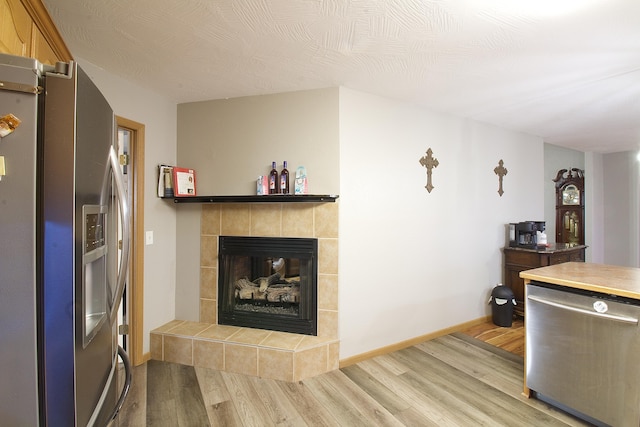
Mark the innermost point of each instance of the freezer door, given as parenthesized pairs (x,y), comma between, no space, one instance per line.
(18,330)
(80,242)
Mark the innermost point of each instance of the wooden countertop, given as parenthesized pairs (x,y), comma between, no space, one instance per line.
(551,248)
(609,279)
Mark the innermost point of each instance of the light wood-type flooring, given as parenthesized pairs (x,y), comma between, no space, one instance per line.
(510,339)
(461,379)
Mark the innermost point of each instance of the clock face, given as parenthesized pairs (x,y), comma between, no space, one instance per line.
(571,195)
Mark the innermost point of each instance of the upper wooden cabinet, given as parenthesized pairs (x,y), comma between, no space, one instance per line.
(26,29)
(15,28)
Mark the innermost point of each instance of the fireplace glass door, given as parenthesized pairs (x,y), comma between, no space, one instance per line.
(268,283)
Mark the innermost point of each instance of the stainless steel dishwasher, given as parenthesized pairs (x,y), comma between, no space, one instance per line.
(583,353)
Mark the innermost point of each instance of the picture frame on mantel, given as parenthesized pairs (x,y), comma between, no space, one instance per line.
(184,182)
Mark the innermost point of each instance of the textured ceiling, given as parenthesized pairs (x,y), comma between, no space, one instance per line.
(570,75)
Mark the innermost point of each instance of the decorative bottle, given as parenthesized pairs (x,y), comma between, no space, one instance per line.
(284,179)
(273,179)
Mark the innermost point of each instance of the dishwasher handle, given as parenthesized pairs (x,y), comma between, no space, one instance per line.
(623,319)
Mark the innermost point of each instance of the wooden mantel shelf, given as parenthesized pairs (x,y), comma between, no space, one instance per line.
(271,198)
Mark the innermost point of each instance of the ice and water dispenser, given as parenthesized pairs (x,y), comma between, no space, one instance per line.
(94,269)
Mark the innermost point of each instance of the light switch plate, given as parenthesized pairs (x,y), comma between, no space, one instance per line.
(149,237)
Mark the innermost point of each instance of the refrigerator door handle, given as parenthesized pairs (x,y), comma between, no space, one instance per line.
(121,193)
(127,384)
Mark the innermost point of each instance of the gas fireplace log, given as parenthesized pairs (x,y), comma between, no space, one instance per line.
(264,282)
(287,294)
(243,283)
(246,289)
(273,292)
(251,293)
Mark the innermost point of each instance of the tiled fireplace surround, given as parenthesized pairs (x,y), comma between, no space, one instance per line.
(257,352)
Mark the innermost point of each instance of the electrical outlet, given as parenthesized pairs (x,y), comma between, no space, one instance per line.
(149,237)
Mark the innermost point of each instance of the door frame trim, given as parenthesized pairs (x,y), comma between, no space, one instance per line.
(136,266)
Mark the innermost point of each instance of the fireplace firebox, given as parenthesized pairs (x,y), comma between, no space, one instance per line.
(268,283)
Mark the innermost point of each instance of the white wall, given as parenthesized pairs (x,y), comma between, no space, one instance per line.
(413,262)
(621,209)
(594,207)
(159,117)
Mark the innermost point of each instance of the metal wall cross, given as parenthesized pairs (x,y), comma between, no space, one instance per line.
(501,171)
(429,162)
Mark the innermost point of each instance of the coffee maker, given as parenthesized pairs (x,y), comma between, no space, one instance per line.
(525,234)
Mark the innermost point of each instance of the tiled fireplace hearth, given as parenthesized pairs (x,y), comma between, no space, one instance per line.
(257,352)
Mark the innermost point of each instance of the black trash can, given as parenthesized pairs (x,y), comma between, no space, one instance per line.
(502,301)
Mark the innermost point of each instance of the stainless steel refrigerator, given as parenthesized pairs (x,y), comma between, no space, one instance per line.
(62,273)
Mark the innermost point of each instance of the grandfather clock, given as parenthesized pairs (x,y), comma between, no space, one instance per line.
(570,206)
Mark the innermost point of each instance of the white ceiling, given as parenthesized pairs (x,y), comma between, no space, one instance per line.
(570,74)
